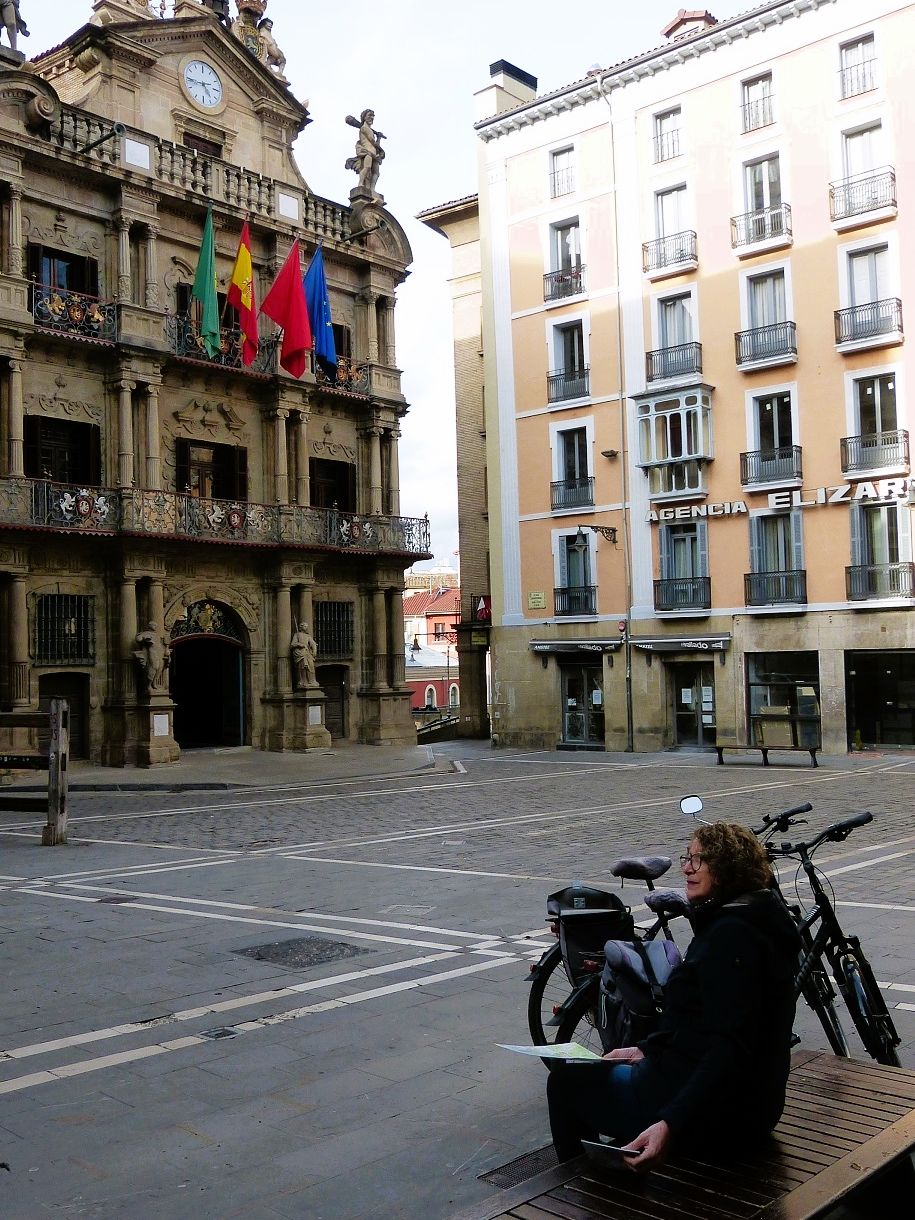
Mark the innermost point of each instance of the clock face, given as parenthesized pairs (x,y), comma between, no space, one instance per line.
(203,83)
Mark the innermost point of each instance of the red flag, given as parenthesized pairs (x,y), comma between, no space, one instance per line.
(241,294)
(285,304)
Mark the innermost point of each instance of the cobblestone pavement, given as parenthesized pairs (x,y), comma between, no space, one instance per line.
(159,1059)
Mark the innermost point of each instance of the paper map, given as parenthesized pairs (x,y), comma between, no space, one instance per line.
(553,1050)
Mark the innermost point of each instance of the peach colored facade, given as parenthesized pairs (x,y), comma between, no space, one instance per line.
(695,271)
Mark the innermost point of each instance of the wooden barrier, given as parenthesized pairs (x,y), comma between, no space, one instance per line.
(54,805)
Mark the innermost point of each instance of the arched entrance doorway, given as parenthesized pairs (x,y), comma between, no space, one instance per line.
(207,677)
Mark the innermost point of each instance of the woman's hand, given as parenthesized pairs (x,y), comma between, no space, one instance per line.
(653,1146)
(625,1054)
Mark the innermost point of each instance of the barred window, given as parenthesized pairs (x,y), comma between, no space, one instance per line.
(333,630)
(65,630)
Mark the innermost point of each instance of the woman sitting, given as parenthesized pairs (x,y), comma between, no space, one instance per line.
(714,1074)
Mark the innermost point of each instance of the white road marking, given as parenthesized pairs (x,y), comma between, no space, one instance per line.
(876,906)
(419,868)
(458,766)
(852,868)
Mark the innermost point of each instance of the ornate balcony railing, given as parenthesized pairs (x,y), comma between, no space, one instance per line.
(877,451)
(859,78)
(667,145)
(684,360)
(572,493)
(573,384)
(863,193)
(763,225)
(775,588)
(758,113)
(350,375)
(575,601)
(771,465)
(763,344)
(183,337)
(671,251)
(864,581)
(683,593)
(73,313)
(36,502)
(568,282)
(869,321)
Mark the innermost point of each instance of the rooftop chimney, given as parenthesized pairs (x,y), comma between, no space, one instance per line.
(687,23)
(509,87)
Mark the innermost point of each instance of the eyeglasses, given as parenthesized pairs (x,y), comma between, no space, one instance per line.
(695,862)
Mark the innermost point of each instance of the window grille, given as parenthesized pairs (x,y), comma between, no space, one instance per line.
(333,630)
(65,630)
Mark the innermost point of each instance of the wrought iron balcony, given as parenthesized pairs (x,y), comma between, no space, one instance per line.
(575,601)
(683,593)
(669,253)
(684,360)
(859,78)
(775,344)
(771,465)
(667,145)
(568,282)
(873,580)
(767,224)
(73,313)
(870,321)
(350,375)
(562,182)
(576,383)
(758,113)
(29,503)
(877,451)
(572,493)
(775,588)
(183,337)
(863,193)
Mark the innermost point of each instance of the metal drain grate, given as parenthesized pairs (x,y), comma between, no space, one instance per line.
(224,1031)
(522,1168)
(115,900)
(302,952)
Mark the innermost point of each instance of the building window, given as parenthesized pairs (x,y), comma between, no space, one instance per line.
(562,180)
(675,320)
(430,698)
(670,210)
(667,135)
(763,184)
(875,405)
(333,630)
(758,109)
(576,595)
(774,429)
(440,632)
(211,472)
(454,697)
(209,148)
(860,150)
(565,276)
(569,379)
(62,270)
(683,563)
(65,626)
(859,66)
(776,458)
(767,215)
(675,441)
(767,304)
(777,573)
(868,276)
(783,692)
(332,484)
(881,552)
(875,534)
(575,487)
(343,339)
(62,451)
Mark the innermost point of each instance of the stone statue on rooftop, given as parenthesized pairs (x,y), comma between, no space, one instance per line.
(369,153)
(271,54)
(12,21)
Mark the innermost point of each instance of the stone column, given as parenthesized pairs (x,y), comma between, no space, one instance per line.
(374,435)
(15,425)
(14,237)
(282,462)
(306,608)
(19,643)
(283,639)
(125,433)
(302,481)
(390,353)
(152,269)
(157,605)
(153,448)
(394,473)
(380,638)
(128,636)
(123,258)
(371,323)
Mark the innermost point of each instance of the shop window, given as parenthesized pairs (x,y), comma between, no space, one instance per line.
(783,699)
(62,451)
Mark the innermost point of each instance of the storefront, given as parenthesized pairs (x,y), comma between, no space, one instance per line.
(880,698)
(581,713)
(689,673)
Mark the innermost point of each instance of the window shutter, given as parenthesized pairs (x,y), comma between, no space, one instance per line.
(856,528)
(182,466)
(34,253)
(350,505)
(797,540)
(756,552)
(95,455)
(664,553)
(241,473)
(702,547)
(563,562)
(904,524)
(32,446)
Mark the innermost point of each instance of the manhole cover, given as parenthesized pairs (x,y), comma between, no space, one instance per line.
(302,952)
(224,1031)
(522,1168)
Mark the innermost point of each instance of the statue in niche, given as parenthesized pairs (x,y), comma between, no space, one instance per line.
(304,654)
(153,655)
(270,53)
(369,153)
(12,21)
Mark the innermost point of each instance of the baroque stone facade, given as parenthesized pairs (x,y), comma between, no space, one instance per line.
(143,481)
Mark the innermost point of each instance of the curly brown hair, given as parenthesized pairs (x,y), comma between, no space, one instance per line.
(736,859)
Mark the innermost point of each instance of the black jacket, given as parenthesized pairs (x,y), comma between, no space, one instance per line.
(723,1048)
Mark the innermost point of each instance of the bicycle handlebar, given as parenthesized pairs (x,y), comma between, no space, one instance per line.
(835,834)
(789,813)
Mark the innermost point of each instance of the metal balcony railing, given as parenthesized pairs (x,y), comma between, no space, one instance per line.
(765,343)
(575,601)
(876,451)
(182,334)
(869,321)
(671,251)
(859,78)
(771,465)
(73,313)
(759,113)
(763,225)
(351,375)
(775,588)
(667,145)
(568,282)
(576,383)
(572,493)
(863,193)
(683,593)
(684,360)
(864,581)
(562,182)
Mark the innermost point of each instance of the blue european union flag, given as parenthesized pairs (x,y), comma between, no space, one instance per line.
(319,313)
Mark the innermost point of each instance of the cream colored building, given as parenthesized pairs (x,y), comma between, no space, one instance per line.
(144,481)
(695,272)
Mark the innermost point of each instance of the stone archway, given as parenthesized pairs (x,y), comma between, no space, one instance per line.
(207,676)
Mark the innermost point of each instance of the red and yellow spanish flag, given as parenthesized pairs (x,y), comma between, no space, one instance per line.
(241,294)
(285,304)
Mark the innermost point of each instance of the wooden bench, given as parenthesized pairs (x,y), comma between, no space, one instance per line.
(54,802)
(846,1124)
(721,746)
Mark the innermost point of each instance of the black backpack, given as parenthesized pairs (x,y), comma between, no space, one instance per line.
(631,997)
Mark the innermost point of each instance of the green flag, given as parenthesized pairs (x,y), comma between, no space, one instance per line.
(205,290)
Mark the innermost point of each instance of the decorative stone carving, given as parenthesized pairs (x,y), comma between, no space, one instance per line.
(304,654)
(368,156)
(205,418)
(330,449)
(271,54)
(58,234)
(12,21)
(153,655)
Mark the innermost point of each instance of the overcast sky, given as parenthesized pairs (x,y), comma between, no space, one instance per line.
(418,65)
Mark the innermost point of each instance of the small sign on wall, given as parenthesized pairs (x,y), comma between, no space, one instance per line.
(160,725)
(536,600)
(314,713)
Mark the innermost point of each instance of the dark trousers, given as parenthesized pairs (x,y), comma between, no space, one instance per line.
(591,1099)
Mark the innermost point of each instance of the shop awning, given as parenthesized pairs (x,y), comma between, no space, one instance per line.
(580,646)
(682,643)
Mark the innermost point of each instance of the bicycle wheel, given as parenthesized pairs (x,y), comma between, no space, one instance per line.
(819,996)
(868,1011)
(548,990)
(580,1022)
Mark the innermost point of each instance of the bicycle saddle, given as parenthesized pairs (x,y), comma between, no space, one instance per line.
(641,868)
(667,902)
